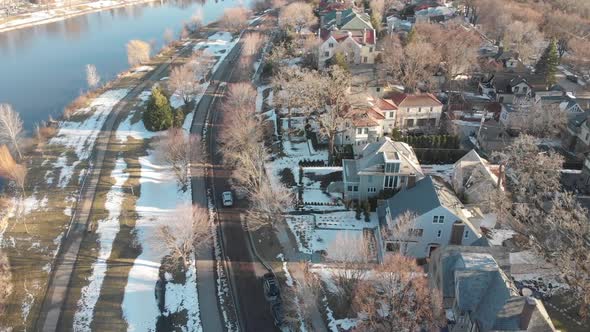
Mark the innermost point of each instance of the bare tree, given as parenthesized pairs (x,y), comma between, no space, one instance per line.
(138,52)
(456,47)
(11,129)
(333,121)
(10,170)
(401,230)
(412,65)
(579,54)
(176,149)
(252,45)
(234,19)
(543,121)
(297,16)
(92,76)
(398,299)
(196,21)
(5,281)
(187,229)
(525,39)
(352,255)
(268,201)
(183,81)
(308,291)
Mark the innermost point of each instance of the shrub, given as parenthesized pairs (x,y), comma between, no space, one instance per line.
(158,115)
(178,118)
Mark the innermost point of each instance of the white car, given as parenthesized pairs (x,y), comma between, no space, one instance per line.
(228,198)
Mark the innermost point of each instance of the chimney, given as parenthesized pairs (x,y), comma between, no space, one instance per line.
(411,181)
(338,18)
(322,21)
(527,312)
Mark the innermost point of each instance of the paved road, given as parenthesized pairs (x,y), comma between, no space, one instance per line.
(244,270)
(57,289)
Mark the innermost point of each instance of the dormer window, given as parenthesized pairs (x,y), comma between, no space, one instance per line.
(330,45)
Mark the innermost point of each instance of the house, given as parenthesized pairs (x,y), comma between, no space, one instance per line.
(356,49)
(565,101)
(396,24)
(434,14)
(439,219)
(416,111)
(517,87)
(369,124)
(474,178)
(508,59)
(385,165)
(577,137)
(478,294)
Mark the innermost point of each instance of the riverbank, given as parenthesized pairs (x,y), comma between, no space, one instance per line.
(56,14)
(110,257)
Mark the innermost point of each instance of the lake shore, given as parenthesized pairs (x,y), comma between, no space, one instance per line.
(60,13)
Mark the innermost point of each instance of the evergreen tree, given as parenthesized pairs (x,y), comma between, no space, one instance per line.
(547,64)
(158,115)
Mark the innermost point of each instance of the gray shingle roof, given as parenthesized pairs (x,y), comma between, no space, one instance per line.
(419,199)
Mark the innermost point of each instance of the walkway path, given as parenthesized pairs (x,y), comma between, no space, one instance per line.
(59,281)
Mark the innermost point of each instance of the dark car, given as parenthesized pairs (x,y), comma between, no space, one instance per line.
(271,287)
(573,78)
(278,316)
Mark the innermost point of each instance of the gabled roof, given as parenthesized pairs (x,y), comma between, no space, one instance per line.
(374,156)
(364,117)
(414,100)
(329,19)
(472,160)
(420,199)
(385,104)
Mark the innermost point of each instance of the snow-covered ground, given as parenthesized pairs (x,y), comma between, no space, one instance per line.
(443,171)
(159,198)
(312,192)
(62,12)
(217,45)
(318,232)
(107,231)
(79,137)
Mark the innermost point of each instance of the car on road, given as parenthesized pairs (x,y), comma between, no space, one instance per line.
(270,284)
(228,198)
(573,78)
(278,315)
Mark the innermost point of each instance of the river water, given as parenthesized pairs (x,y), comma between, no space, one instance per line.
(42,68)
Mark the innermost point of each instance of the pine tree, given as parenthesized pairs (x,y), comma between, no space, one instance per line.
(547,64)
(158,115)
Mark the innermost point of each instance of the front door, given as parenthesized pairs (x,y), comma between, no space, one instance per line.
(457,233)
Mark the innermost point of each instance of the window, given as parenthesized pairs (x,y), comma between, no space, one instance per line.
(419,109)
(439,233)
(438,219)
(416,232)
(355,188)
(524,89)
(391,167)
(391,115)
(349,188)
(359,131)
(330,45)
(435,220)
(516,89)
(466,234)
(366,131)
(370,49)
(388,182)
(365,59)
(378,89)
(326,54)
(372,189)
(431,108)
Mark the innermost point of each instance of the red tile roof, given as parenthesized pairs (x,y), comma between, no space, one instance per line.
(386,104)
(413,100)
(365,117)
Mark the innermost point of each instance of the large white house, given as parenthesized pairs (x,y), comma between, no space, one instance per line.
(416,110)
(383,165)
(439,219)
(369,124)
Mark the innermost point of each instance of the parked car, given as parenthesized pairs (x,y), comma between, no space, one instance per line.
(573,78)
(278,315)
(270,284)
(228,198)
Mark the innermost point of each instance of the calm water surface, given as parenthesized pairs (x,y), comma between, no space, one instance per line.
(42,68)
